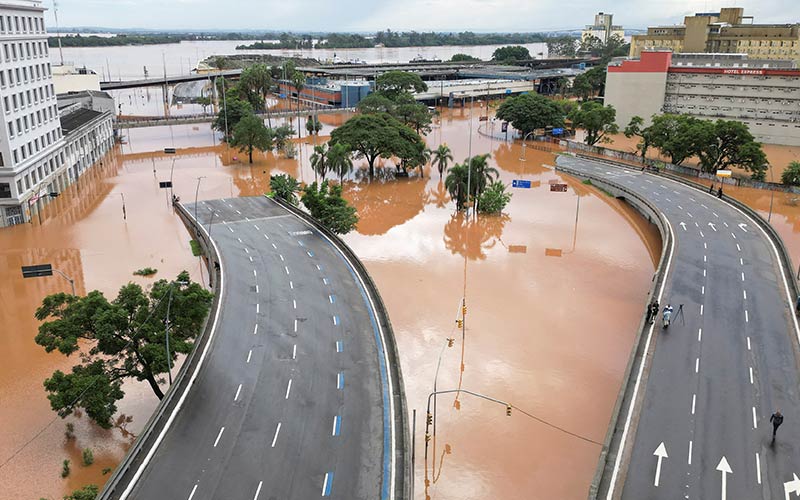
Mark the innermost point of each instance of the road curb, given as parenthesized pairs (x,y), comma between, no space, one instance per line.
(403,470)
(125,471)
(625,397)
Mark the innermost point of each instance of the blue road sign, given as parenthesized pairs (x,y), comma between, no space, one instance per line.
(508,91)
(558,131)
(519,183)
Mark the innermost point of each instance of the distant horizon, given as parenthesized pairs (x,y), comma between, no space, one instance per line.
(349,16)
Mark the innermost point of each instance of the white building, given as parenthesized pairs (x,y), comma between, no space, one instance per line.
(603,28)
(33,161)
(68,78)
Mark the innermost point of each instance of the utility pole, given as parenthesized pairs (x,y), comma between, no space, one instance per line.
(196,193)
(58,32)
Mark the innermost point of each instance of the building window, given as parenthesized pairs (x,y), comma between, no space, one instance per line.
(5,190)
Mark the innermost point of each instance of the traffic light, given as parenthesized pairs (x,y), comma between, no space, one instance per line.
(460,323)
(429,419)
(427,437)
(464,310)
(508,410)
(450,342)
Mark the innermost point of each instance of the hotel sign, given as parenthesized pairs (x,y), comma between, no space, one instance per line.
(738,71)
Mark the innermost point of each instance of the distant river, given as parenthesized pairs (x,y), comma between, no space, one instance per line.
(129,62)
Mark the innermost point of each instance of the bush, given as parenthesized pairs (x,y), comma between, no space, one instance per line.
(88,457)
(494,199)
(329,208)
(284,187)
(791,176)
(88,492)
(107,470)
(70,431)
(147,272)
(196,250)
(65,470)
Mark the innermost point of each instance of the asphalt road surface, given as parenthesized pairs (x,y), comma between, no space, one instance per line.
(725,364)
(289,403)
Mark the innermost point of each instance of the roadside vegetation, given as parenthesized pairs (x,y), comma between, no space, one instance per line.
(117,340)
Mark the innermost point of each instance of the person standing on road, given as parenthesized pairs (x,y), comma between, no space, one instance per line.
(777,420)
(711,188)
(719,192)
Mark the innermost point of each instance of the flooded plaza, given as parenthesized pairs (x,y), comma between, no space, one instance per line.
(554,289)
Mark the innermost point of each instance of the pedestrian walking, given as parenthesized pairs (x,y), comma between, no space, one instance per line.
(711,189)
(654,311)
(719,192)
(776,419)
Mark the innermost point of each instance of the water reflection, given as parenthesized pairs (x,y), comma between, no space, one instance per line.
(383,204)
(473,238)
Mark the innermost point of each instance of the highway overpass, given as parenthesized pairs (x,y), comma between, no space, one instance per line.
(695,419)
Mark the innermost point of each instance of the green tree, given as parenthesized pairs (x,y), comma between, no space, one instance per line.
(299,83)
(376,103)
(442,156)
(564,46)
(728,143)
(494,199)
(257,79)
(251,134)
(204,102)
(340,160)
(482,174)
(88,492)
(376,135)
(636,128)
(529,112)
(313,125)
(463,58)
(120,339)
(415,115)
(590,83)
(456,184)
(791,176)
(597,120)
(325,203)
(393,83)
(674,136)
(230,115)
(319,161)
(284,186)
(88,456)
(511,53)
(282,135)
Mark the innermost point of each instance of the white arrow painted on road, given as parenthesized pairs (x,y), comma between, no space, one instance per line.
(683,225)
(792,486)
(661,453)
(725,469)
(712,226)
(742,227)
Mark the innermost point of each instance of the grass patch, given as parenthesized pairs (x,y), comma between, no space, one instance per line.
(196,250)
(147,272)
(588,182)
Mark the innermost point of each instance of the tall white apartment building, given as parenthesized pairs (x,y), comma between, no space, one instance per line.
(31,141)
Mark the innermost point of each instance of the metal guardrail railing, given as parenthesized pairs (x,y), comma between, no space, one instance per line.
(403,468)
(122,475)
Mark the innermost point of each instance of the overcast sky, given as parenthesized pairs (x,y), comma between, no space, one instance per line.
(372,15)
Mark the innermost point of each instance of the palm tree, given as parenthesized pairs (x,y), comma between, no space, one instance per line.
(442,156)
(340,160)
(299,83)
(456,184)
(482,174)
(319,161)
(424,159)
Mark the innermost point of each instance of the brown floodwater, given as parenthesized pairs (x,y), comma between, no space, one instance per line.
(554,289)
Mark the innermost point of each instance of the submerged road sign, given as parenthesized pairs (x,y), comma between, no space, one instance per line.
(519,183)
(37,271)
(560,188)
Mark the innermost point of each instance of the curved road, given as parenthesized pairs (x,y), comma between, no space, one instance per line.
(729,359)
(291,400)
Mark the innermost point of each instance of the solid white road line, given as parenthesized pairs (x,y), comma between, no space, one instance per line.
(275,437)
(236,397)
(694,401)
(216,441)
(697,365)
(250,353)
(758,468)
(258,490)
(325,484)
(192,493)
(288,389)
(755,422)
(690,452)
(751,375)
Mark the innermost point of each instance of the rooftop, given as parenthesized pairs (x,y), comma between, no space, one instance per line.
(77,119)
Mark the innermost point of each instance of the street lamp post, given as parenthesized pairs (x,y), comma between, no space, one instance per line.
(524,145)
(196,193)
(124,212)
(166,328)
(771,192)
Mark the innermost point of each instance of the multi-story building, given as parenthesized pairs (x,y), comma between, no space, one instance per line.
(727,31)
(764,94)
(34,165)
(603,28)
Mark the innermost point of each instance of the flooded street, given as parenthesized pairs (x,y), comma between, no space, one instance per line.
(554,289)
